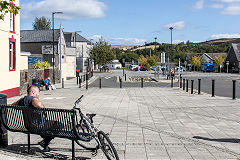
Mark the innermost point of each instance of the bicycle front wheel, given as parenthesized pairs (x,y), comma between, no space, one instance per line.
(107,146)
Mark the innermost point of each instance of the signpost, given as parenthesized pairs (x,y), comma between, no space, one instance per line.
(227,63)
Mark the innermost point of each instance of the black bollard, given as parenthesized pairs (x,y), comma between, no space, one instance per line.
(183,84)
(80,82)
(86,81)
(125,77)
(3,130)
(100,83)
(123,72)
(180,81)
(199,86)
(171,82)
(120,80)
(187,85)
(213,88)
(192,86)
(142,82)
(234,90)
(62,82)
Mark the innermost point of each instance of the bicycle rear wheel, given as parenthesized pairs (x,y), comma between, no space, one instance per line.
(107,146)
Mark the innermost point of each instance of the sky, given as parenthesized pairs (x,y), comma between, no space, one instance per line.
(134,22)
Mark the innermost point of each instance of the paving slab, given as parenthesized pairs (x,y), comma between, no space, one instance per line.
(144,123)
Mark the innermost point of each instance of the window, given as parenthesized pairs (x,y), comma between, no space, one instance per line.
(12,54)
(12,22)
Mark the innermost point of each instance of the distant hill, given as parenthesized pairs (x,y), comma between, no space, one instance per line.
(220,41)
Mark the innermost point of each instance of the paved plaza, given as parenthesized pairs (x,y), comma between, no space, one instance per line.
(144,123)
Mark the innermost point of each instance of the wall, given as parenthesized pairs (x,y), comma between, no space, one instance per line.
(10,80)
(23,61)
(29,74)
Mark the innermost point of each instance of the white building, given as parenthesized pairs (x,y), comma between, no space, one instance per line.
(10,54)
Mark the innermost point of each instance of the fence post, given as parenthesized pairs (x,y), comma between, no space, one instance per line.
(62,82)
(234,90)
(192,86)
(120,79)
(100,83)
(141,82)
(187,86)
(180,81)
(183,84)
(199,86)
(171,82)
(213,88)
(125,77)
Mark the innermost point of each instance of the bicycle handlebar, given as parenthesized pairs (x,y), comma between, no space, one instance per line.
(77,101)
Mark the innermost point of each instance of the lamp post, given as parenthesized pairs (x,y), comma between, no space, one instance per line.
(171,28)
(53,59)
(155,45)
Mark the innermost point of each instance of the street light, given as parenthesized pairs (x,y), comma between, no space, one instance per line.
(171,28)
(53,59)
(155,44)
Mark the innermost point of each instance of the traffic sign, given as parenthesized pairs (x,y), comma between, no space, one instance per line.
(185,62)
(227,62)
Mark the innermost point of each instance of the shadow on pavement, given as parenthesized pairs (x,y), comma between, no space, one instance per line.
(21,149)
(229,140)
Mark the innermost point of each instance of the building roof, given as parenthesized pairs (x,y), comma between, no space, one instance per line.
(70,37)
(236,47)
(39,35)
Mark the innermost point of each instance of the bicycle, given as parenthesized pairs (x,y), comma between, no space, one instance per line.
(86,126)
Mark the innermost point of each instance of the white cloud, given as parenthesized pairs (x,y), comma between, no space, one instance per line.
(96,38)
(177,25)
(226,35)
(127,41)
(226,1)
(199,4)
(217,6)
(119,41)
(233,9)
(70,8)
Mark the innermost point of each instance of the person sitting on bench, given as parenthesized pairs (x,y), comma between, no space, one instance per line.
(32,101)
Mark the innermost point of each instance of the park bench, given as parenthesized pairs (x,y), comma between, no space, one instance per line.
(60,123)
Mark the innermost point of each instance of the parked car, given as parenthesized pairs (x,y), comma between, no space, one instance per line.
(142,68)
(181,69)
(208,67)
(134,67)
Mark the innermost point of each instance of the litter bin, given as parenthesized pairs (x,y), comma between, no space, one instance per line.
(3,130)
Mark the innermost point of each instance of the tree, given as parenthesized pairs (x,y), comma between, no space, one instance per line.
(196,61)
(101,53)
(219,61)
(152,61)
(143,60)
(41,23)
(8,6)
(41,65)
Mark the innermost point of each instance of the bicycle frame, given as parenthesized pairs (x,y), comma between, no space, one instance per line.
(90,127)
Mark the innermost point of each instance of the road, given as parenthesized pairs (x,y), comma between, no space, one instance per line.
(223,82)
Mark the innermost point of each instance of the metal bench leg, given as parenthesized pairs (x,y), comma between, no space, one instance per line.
(28,143)
(73,150)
